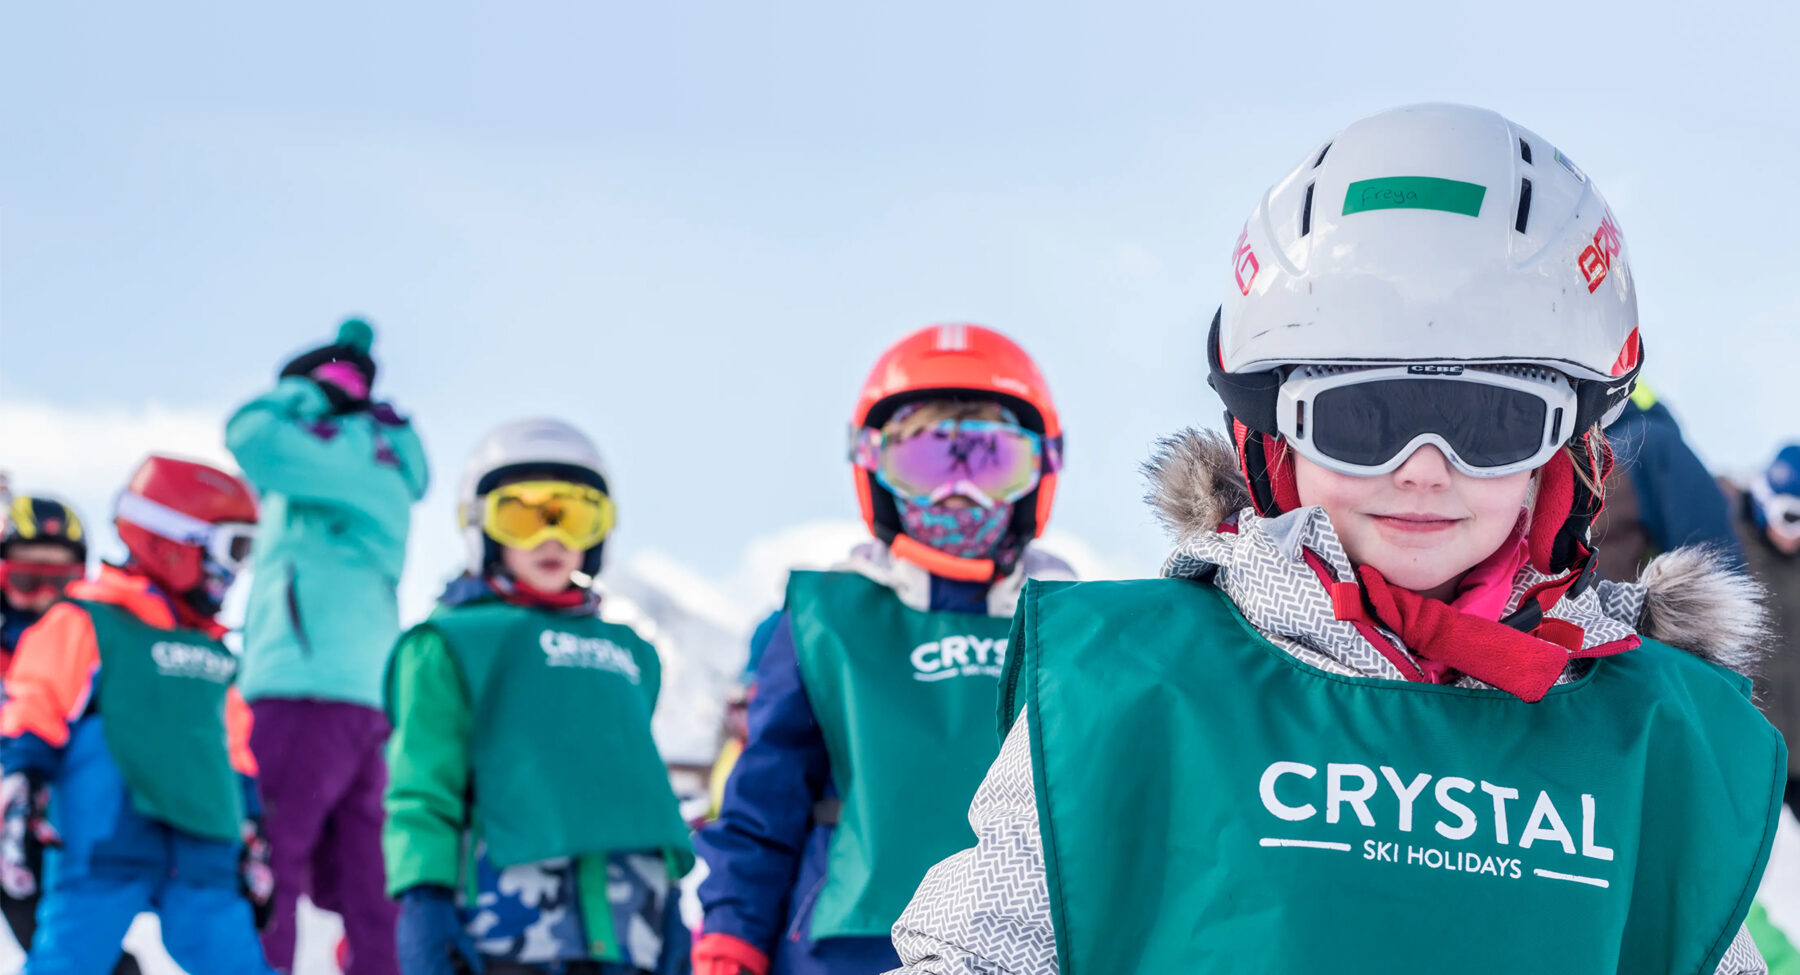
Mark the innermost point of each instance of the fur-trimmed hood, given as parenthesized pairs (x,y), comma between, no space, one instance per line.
(1690,598)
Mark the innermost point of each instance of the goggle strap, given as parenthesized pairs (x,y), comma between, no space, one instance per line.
(865,448)
(161,520)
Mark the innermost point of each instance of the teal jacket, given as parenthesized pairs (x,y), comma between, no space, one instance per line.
(337,496)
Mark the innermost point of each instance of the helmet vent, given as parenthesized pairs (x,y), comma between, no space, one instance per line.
(1525,150)
(1321,159)
(1306,212)
(1524,204)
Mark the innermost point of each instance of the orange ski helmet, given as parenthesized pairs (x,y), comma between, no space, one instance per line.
(954,360)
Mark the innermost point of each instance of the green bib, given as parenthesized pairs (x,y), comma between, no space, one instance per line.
(905,700)
(562,760)
(1210,804)
(162,703)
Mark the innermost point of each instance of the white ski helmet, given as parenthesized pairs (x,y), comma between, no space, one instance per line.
(534,446)
(1435,233)
(1429,235)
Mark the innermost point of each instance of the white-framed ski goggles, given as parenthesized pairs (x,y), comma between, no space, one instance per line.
(227,544)
(1363,421)
(1782,511)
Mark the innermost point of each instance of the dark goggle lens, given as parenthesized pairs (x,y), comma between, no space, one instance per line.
(1369,423)
(31,578)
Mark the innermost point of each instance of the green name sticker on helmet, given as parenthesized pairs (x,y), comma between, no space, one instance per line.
(1414,193)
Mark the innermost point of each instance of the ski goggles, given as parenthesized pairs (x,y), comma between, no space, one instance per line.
(1782,511)
(227,544)
(987,461)
(32,578)
(527,514)
(1365,421)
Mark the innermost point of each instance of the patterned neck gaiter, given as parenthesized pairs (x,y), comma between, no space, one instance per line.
(967,533)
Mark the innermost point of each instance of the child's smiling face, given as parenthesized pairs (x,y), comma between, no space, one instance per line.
(1425,524)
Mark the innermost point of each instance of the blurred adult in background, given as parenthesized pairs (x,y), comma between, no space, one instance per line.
(1767,514)
(43,549)
(339,472)
(1659,496)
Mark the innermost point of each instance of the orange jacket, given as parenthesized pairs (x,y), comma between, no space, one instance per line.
(52,676)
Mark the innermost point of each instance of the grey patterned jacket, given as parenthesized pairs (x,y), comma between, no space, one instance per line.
(986,910)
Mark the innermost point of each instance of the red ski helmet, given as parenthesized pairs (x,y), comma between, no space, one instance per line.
(162,515)
(948,361)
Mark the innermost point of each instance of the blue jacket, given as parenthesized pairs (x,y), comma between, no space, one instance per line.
(765,854)
(337,496)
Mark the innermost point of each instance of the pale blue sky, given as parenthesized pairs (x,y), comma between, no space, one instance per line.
(690,228)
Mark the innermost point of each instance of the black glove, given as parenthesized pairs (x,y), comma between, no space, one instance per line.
(24,796)
(256,876)
(343,370)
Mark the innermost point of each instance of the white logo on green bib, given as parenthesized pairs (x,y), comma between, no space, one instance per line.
(1464,808)
(573,650)
(958,656)
(186,660)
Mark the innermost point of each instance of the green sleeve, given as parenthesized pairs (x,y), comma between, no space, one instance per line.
(428,764)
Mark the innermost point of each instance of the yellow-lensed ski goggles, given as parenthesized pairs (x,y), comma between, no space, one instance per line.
(527,514)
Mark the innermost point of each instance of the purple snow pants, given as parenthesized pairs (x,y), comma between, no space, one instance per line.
(321,772)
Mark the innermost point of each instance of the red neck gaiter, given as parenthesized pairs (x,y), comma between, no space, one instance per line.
(1448,641)
(520,594)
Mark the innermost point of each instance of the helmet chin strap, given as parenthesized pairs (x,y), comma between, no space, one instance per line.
(941,564)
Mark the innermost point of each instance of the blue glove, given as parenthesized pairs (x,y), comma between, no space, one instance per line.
(430,936)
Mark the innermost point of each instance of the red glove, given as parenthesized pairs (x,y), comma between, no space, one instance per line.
(722,954)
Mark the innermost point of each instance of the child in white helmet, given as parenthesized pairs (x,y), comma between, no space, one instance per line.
(1380,716)
(531,825)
